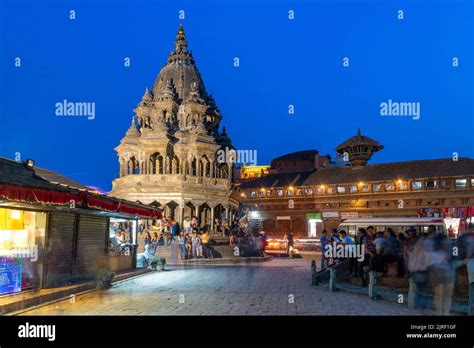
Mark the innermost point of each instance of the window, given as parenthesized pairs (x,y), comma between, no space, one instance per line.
(416,185)
(330,191)
(389,186)
(353,189)
(365,188)
(289,193)
(309,191)
(444,184)
(341,189)
(377,187)
(402,185)
(299,192)
(280,193)
(461,182)
(261,194)
(320,190)
(431,184)
(472,182)
(270,193)
(253,194)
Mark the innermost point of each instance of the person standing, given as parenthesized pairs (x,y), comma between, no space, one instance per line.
(187,225)
(290,243)
(217,226)
(182,245)
(370,247)
(225,228)
(285,243)
(324,241)
(197,244)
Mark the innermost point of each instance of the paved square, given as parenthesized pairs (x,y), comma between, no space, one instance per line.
(265,288)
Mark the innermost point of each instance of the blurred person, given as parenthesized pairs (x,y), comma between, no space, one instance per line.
(346,240)
(335,236)
(369,247)
(361,240)
(442,275)
(408,245)
(324,241)
(290,243)
(263,238)
(379,250)
(390,251)
(451,233)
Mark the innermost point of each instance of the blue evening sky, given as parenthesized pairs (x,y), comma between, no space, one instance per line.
(282,62)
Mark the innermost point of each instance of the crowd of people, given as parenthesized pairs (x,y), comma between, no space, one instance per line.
(194,239)
(428,259)
(246,242)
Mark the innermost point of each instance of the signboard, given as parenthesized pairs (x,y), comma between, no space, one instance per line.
(330,214)
(313,216)
(350,215)
(283,217)
(10,275)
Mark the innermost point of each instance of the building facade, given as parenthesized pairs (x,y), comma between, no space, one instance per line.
(306,200)
(169,155)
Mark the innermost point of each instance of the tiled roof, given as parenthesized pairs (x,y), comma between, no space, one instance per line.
(299,155)
(373,172)
(54,177)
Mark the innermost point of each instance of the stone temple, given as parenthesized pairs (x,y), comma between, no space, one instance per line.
(169,155)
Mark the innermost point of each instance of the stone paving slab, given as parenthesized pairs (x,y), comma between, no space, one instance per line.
(277,287)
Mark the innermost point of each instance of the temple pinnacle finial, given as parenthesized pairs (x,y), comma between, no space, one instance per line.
(181,43)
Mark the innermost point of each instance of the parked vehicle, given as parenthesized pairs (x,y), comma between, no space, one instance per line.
(401,224)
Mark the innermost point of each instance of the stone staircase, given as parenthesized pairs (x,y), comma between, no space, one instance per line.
(220,249)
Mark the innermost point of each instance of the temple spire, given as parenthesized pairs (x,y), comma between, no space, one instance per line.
(181,45)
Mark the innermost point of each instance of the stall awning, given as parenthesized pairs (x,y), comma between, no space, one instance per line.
(28,194)
(83,199)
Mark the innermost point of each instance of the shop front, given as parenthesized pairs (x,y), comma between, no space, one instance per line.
(54,235)
(456,219)
(22,239)
(315,224)
(123,244)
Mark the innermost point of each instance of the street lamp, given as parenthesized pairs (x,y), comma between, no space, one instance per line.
(30,163)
